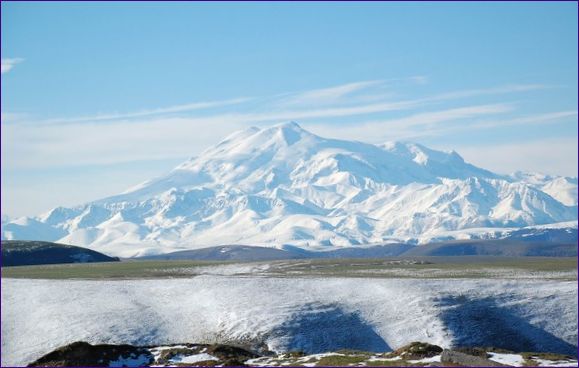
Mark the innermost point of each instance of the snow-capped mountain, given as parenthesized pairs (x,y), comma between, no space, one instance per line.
(285,185)
(562,188)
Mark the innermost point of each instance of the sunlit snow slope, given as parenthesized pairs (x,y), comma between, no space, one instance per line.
(288,314)
(285,185)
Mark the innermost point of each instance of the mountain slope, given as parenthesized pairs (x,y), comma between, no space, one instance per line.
(285,185)
(562,188)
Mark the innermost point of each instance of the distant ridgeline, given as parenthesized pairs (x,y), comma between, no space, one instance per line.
(20,253)
(500,248)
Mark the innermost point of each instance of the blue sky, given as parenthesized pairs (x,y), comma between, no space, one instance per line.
(97,97)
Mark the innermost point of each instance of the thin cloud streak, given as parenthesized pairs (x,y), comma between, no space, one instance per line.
(146,113)
(88,141)
(376,131)
(439,130)
(327,95)
(362,108)
(8,64)
(354,92)
(513,88)
(52,146)
(533,119)
(258,117)
(169,110)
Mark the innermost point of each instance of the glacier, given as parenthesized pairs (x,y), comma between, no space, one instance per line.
(283,185)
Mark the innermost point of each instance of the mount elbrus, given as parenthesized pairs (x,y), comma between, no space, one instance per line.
(283,185)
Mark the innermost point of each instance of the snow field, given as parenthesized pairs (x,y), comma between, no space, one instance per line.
(314,315)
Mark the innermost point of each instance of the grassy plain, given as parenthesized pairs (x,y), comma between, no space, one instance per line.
(418,267)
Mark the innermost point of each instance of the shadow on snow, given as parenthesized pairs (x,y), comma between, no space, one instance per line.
(483,323)
(316,329)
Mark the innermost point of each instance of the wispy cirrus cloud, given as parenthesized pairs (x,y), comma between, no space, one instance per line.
(438,123)
(179,131)
(8,64)
(150,112)
(511,88)
(328,95)
(366,91)
(419,79)
(335,101)
(531,119)
(349,93)
(84,144)
(235,117)
(436,130)
(434,117)
(412,125)
(318,103)
(293,106)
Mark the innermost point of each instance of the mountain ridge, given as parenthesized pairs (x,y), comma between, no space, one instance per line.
(283,185)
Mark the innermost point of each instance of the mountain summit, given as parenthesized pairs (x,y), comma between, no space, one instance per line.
(283,185)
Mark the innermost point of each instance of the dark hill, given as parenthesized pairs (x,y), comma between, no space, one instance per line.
(499,248)
(229,253)
(502,248)
(23,252)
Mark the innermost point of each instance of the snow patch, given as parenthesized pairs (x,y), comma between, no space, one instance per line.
(516,360)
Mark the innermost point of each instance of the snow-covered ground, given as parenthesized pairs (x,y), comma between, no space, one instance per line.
(310,314)
(281,268)
(364,359)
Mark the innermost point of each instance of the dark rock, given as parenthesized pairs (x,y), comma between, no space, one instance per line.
(418,350)
(167,354)
(83,354)
(479,352)
(466,360)
(230,355)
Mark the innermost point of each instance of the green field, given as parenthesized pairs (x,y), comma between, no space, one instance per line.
(418,267)
(434,267)
(105,270)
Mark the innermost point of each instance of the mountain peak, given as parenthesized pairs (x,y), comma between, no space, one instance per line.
(288,131)
(422,154)
(290,125)
(286,134)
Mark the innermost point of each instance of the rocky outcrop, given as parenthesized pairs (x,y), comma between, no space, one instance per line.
(416,354)
(466,360)
(83,354)
(418,350)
